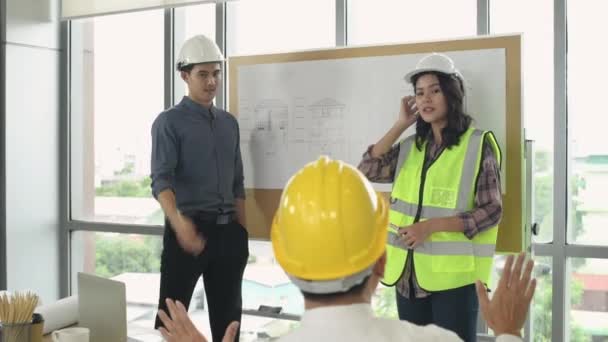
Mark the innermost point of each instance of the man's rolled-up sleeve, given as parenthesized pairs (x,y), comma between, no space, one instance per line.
(239,184)
(165,149)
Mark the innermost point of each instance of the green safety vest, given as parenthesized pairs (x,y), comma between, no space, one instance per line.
(446,260)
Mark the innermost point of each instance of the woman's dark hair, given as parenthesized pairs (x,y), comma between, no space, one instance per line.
(187,68)
(458,121)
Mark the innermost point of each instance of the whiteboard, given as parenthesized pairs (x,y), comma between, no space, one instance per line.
(293,107)
(292,112)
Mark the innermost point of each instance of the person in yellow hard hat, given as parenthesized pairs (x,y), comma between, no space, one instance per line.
(197,177)
(445,202)
(329,234)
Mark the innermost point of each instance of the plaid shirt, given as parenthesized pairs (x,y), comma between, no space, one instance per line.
(488,198)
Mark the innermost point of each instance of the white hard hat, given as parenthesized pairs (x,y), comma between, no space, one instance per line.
(198,49)
(437,62)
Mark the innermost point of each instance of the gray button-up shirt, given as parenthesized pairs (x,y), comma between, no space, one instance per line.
(196,153)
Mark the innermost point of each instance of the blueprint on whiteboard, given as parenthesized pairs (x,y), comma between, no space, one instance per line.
(290,113)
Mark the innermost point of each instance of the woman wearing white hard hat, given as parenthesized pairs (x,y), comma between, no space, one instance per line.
(197,177)
(445,202)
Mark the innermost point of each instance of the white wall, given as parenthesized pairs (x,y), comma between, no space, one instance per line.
(31,89)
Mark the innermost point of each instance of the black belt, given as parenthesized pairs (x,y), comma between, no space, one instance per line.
(217,217)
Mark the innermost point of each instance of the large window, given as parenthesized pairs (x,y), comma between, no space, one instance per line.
(117,90)
(390,21)
(536,26)
(586,113)
(266,26)
(588,151)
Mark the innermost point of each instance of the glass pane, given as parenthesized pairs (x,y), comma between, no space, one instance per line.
(191,21)
(540,310)
(536,24)
(135,260)
(542,303)
(384,302)
(90,8)
(589,300)
(116,92)
(265,26)
(129,258)
(265,282)
(589,151)
(198,19)
(385,21)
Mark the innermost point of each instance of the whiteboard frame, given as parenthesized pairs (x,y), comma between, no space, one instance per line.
(262,203)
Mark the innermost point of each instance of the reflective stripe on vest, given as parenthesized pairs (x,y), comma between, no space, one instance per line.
(447,259)
(445,247)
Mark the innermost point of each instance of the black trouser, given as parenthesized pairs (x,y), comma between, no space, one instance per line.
(222,264)
(455,310)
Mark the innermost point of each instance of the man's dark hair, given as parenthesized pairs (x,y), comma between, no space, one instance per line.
(187,68)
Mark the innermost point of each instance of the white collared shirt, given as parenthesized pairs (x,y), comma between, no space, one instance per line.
(357,322)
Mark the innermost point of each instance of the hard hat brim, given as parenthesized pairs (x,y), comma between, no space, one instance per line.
(408,77)
(179,65)
(333,285)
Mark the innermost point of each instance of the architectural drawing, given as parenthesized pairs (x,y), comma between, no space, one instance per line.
(270,121)
(327,132)
(246,120)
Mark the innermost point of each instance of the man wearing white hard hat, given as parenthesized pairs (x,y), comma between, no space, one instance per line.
(197,177)
(445,202)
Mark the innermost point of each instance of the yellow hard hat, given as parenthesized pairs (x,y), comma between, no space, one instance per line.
(330,224)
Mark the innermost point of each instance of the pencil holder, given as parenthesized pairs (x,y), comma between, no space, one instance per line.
(15,332)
